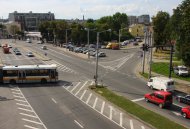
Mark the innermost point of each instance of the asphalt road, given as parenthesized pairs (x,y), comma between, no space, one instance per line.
(116,71)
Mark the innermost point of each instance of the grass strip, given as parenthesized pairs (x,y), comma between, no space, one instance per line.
(144,114)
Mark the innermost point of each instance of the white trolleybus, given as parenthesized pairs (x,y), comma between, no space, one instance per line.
(28,74)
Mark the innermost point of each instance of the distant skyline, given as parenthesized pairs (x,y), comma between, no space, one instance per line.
(95,9)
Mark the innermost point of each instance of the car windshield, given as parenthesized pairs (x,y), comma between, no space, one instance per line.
(169,97)
(184,69)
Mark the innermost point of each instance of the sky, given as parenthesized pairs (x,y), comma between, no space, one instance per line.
(95,9)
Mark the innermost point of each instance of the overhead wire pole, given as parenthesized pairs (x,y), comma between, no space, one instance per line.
(144,52)
(150,63)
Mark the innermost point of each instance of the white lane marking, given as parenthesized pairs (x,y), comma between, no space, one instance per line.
(25,109)
(53,100)
(121,119)
(131,124)
(82,95)
(75,86)
(92,83)
(21,100)
(89,97)
(177,113)
(177,105)
(111,109)
(80,88)
(24,114)
(102,108)
(23,105)
(142,127)
(18,93)
(18,96)
(32,121)
(30,127)
(135,100)
(95,102)
(15,90)
(78,124)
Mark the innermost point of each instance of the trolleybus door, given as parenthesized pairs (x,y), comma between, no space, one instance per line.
(52,75)
(21,77)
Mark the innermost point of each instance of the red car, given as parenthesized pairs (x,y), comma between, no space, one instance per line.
(185,112)
(162,98)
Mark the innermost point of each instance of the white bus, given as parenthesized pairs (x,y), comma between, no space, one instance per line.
(29,74)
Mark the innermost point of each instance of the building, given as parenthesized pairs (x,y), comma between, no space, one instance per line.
(132,20)
(30,21)
(137,30)
(144,19)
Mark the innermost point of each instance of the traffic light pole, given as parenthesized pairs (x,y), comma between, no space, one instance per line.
(144,53)
(150,62)
(171,57)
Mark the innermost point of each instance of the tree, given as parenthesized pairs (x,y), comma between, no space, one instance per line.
(161,24)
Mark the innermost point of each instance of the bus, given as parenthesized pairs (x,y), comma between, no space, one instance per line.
(28,74)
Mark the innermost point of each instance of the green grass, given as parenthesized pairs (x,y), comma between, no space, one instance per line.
(148,116)
(145,75)
(163,68)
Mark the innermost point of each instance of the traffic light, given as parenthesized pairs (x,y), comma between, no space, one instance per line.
(145,47)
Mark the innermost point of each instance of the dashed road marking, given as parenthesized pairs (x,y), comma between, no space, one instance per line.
(75,86)
(30,127)
(121,119)
(53,100)
(21,100)
(111,111)
(142,127)
(32,121)
(78,124)
(24,114)
(89,97)
(95,102)
(102,108)
(18,93)
(82,95)
(177,113)
(16,96)
(135,100)
(131,124)
(23,105)
(25,109)
(80,88)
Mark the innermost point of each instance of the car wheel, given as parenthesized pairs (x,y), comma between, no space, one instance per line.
(161,105)
(146,100)
(184,115)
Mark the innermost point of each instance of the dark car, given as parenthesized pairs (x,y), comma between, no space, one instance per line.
(184,99)
(17,53)
(185,112)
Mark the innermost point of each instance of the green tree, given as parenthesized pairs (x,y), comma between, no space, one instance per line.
(161,24)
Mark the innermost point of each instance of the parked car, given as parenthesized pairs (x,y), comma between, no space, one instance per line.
(28,40)
(30,54)
(181,70)
(185,112)
(9,46)
(101,54)
(17,52)
(161,83)
(39,42)
(78,49)
(162,98)
(44,47)
(15,49)
(184,99)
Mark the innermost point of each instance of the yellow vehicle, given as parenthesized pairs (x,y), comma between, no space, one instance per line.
(112,45)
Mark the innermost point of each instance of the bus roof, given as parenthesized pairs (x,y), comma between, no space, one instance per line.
(29,67)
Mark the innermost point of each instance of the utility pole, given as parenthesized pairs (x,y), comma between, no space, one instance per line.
(144,52)
(171,57)
(97,45)
(150,63)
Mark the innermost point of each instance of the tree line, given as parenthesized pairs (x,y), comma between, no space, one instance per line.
(176,27)
(77,32)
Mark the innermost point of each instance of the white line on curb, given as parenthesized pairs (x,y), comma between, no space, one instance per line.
(78,124)
(131,124)
(102,109)
(95,102)
(89,98)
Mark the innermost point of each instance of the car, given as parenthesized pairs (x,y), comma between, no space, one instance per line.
(44,47)
(28,40)
(181,70)
(15,49)
(40,42)
(101,54)
(30,54)
(9,46)
(162,98)
(185,112)
(184,99)
(18,53)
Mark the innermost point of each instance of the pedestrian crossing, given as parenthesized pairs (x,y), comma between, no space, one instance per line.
(116,64)
(60,67)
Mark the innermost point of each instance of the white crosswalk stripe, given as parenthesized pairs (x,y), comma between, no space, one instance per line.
(60,66)
(115,64)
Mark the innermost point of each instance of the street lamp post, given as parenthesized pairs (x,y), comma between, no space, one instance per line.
(120,35)
(88,38)
(97,49)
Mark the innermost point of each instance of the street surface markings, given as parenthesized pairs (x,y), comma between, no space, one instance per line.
(32,120)
(60,66)
(136,100)
(78,124)
(115,64)
(176,113)
(102,107)
(53,100)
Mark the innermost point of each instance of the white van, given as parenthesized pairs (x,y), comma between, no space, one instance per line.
(161,83)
